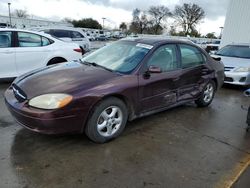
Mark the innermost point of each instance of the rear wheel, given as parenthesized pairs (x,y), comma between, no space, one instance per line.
(107,121)
(207,95)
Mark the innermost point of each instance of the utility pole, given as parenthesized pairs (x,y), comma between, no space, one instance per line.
(221,29)
(103,23)
(9,13)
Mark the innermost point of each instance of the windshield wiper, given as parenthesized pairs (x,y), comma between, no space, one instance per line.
(85,62)
(219,54)
(95,65)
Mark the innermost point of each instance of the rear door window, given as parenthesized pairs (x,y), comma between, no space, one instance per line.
(46,41)
(191,56)
(32,40)
(5,39)
(29,40)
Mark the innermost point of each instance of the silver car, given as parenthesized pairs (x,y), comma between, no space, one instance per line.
(236,59)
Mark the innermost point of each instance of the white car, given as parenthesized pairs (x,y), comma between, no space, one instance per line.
(75,35)
(236,59)
(22,51)
(90,37)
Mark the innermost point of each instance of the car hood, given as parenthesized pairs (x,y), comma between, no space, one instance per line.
(62,78)
(234,62)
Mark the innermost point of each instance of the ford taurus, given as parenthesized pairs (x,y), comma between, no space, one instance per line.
(122,81)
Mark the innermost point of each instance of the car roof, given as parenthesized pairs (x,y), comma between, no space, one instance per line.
(239,44)
(30,31)
(58,28)
(157,40)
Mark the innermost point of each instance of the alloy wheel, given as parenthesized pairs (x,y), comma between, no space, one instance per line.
(208,93)
(109,121)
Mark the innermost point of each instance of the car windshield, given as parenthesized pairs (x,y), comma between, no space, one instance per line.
(121,56)
(235,51)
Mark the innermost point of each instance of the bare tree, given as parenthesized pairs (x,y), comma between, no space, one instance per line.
(188,16)
(140,21)
(21,13)
(158,14)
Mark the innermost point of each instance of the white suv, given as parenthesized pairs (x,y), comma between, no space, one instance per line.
(75,34)
(22,51)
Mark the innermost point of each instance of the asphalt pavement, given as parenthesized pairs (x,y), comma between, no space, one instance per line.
(181,147)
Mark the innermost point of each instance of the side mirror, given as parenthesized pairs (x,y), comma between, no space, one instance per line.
(154,69)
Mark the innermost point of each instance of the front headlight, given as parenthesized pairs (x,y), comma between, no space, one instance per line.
(51,101)
(242,69)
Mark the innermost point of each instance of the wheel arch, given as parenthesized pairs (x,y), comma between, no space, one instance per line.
(126,101)
(55,59)
(123,98)
(216,83)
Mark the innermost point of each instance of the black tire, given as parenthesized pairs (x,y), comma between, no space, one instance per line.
(202,102)
(56,60)
(91,129)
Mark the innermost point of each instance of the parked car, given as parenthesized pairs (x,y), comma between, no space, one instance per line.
(122,81)
(101,37)
(213,46)
(236,58)
(3,25)
(75,35)
(90,37)
(22,51)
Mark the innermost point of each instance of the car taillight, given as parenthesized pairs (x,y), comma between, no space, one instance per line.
(78,50)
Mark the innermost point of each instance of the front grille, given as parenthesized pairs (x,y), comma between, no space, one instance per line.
(19,93)
(228,68)
(228,79)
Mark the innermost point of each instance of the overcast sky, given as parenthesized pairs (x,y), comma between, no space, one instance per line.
(116,11)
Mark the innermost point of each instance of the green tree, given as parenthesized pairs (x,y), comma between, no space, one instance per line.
(123,26)
(87,23)
(211,35)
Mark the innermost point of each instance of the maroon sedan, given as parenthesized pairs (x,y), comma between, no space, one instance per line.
(122,81)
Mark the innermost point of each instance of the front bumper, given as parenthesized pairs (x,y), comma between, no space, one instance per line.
(44,121)
(237,78)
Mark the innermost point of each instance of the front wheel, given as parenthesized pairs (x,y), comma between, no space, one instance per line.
(107,121)
(207,95)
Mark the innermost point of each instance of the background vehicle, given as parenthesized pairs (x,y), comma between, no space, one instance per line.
(3,25)
(22,51)
(90,37)
(135,78)
(75,34)
(101,37)
(236,58)
(213,47)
